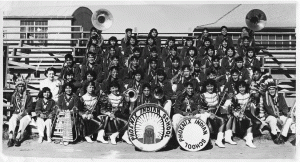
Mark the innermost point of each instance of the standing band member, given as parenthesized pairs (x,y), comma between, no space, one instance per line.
(22,106)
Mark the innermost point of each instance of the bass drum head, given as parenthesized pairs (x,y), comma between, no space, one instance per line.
(149,127)
(192,133)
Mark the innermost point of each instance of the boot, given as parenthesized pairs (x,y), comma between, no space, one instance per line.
(88,139)
(228,135)
(113,138)
(49,140)
(249,138)
(218,142)
(10,143)
(18,143)
(100,137)
(126,139)
(40,139)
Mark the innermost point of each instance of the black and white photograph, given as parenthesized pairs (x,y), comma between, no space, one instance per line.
(151,80)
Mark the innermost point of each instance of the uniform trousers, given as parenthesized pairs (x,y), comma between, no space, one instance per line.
(23,123)
(42,124)
(272,121)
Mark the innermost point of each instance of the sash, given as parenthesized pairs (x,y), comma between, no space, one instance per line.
(270,102)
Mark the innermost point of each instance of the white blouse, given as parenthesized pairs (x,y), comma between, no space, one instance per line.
(54,87)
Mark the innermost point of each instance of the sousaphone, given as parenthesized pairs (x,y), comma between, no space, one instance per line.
(256,19)
(102,19)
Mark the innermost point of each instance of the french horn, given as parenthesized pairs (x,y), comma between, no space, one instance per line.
(132,93)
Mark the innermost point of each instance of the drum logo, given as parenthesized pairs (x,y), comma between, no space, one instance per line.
(149,127)
(192,134)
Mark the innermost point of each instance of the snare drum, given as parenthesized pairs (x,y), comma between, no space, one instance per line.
(149,127)
(192,133)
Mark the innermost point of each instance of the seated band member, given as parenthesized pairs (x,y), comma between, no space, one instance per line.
(96,33)
(168,60)
(198,73)
(90,76)
(204,36)
(232,82)
(146,95)
(151,71)
(243,49)
(154,55)
(210,102)
(202,49)
(174,69)
(243,72)
(251,61)
(228,61)
(133,66)
(222,48)
(22,108)
(45,112)
(113,75)
(242,111)
(68,100)
(277,113)
(187,77)
(91,65)
(191,56)
(126,40)
(188,43)
(166,50)
(261,79)
(92,48)
(166,87)
(114,62)
(128,51)
(187,104)
(89,109)
(207,59)
(113,42)
(223,35)
(246,32)
(115,113)
(154,34)
(51,82)
(219,70)
(150,43)
(137,81)
(69,78)
(70,65)
(109,57)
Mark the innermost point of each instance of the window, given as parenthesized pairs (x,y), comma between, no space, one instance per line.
(34,26)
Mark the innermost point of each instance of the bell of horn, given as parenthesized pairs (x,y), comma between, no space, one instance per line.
(158,93)
(256,19)
(132,93)
(102,19)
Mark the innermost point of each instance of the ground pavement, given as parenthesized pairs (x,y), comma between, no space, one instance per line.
(266,149)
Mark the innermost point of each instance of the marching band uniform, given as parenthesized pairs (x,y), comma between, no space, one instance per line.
(22,107)
(147,50)
(47,109)
(126,40)
(89,105)
(75,68)
(244,74)
(228,63)
(277,109)
(172,72)
(219,39)
(142,99)
(251,62)
(94,67)
(191,79)
(117,106)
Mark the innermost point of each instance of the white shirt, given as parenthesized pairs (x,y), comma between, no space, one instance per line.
(54,87)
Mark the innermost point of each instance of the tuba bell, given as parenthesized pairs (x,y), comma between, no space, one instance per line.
(158,93)
(256,19)
(132,93)
(102,19)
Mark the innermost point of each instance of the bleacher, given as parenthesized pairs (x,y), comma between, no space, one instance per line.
(33,56)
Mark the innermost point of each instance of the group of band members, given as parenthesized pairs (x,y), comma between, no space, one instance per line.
(212,80)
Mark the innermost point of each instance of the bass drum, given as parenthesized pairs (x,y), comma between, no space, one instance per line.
(149,127)
(192,133)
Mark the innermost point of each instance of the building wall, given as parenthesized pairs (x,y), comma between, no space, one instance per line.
(11,23)
(59,23)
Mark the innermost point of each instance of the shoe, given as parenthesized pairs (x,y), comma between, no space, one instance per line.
(100,138)
(18,143)
(126,139)
(49,140)
(66,143)
(40,140)
(113,138)
(249,138)
(218,142)
(88,139)
(10,143)
(228,135)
